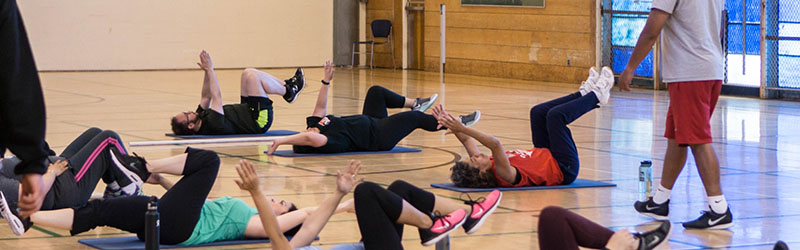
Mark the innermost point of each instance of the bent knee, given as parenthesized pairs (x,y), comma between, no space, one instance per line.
(365,189)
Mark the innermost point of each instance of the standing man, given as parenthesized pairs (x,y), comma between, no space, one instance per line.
(693,67)
(22,118)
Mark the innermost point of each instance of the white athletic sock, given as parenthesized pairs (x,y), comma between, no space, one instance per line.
(661,195)
(718,204)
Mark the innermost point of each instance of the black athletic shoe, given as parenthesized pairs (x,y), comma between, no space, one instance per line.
(780,245)
(134,168)
(470,119)
(656,237)
(294,86)
(652,210)
(711,220)
(442,226)
(423,104)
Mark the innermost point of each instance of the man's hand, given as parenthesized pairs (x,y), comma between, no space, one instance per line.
(625,79)
(205,61)
(328,68)
(58,167)
(32,195)
(274,147)
(248,179)
(347,180)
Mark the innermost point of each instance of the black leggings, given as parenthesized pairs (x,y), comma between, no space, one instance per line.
(378,209)
(89,161)
(560,229)
(179,208)
(392,129)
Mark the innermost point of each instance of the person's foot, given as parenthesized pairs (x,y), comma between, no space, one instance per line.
(711,220)
(602,87)
(133,168)
(113,190)
(481,209)
(780,245)
(470,119)
(586,86)
(294,86)
(442,226)
(423,104)
(13,221)
(654,238)
(653,210)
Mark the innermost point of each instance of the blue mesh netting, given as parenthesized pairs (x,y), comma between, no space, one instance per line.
(624,30)
(752,42)
(786,15)
(620,59)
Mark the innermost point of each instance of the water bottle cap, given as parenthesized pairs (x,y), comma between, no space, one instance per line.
(646,162)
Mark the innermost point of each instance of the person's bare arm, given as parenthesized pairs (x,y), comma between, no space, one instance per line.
(314,223)
(157,178)
(211,96)
(248,180)
(303,139)
(648,37)
(502,165)
(321,107)
(469,143)
(54,170)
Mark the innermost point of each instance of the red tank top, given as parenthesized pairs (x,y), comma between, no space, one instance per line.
(536,167)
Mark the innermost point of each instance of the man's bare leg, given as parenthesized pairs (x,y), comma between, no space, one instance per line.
(258,83)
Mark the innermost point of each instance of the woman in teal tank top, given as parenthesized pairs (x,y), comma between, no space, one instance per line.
(187,218)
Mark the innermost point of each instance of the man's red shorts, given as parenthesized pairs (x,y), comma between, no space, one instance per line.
(691,105)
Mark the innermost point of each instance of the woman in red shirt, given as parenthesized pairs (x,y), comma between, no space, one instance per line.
(554,158)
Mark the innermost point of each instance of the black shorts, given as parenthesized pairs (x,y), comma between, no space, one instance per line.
(260,108)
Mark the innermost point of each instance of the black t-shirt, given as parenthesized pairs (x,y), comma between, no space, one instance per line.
(345,134)
(238,119)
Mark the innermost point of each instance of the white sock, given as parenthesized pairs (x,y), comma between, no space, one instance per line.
(661,195)
(718,204)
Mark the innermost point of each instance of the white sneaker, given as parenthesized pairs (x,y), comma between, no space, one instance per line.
(604,84)
(586,86)
(13,221)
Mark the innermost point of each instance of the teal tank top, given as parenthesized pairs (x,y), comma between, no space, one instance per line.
(222,219)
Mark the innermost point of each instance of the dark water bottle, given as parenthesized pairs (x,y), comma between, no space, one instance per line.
(151,223)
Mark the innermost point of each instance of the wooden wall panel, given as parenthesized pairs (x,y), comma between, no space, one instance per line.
(391,10)
(555,43)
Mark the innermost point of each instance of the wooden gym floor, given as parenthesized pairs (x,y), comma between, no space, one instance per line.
(756,141)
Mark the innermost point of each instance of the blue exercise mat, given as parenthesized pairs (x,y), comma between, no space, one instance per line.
(131,243)
(268,133)
(396,149)
(579,183)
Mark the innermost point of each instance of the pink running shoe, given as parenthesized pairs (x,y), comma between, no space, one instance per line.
(481,208)
(442,226)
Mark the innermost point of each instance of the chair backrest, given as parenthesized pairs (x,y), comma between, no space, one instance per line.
(381,28)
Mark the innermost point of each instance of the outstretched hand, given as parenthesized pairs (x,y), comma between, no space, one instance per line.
(205,61)
(347,180)
(274,147)
(248,179)
(447,120)
(328,68)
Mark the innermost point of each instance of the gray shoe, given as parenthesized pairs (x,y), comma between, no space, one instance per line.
(470,119)
(423,104)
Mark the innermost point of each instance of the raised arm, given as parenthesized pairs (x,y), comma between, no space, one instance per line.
(469,143)
(314,223)
(502,165)
(249,181)
(321,108)
(211,96)
(648,37)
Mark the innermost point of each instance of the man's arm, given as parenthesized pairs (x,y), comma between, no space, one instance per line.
(211,96)
(321,108)
(648,37)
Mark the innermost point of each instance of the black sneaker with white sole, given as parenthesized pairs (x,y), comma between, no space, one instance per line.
(13,221)
(423,104)
(654,238)
(651,209)
(711,220)
(133,168)
(470,119)
(294,86)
